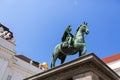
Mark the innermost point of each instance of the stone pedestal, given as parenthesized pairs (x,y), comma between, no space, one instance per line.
(88,67)
(86,76)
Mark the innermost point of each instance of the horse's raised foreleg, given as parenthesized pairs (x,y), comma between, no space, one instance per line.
(80,53)
(84,50)
(63,59)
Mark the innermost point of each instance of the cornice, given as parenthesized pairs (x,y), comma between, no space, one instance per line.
(8,41)
(5,50)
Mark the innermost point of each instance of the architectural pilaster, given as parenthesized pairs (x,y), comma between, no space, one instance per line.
(3,67)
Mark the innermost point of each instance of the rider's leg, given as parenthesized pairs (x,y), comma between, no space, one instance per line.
(69,42)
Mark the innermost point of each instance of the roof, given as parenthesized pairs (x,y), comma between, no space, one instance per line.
(111,58)
(26,59)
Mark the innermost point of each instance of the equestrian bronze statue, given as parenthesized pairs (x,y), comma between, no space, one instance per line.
(70,44)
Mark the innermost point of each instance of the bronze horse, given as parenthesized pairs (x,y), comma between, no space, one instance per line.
(70,44)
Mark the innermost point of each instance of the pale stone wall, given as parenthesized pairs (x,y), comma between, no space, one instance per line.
(27,66)
(18,73)
(3,67)
(115,65)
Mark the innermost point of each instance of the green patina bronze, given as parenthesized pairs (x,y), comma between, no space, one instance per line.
(70,44)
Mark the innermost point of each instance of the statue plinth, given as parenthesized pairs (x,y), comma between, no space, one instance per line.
(88,67)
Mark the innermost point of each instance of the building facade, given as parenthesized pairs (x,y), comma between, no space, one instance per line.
(113,62)
(12,66)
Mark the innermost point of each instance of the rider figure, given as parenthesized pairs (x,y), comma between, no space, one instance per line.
(67,37)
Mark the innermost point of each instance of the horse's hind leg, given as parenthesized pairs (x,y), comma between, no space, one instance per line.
(54,58)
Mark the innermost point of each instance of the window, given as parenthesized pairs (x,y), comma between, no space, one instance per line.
(9,77)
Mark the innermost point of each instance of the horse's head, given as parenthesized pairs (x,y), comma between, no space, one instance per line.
(83,28)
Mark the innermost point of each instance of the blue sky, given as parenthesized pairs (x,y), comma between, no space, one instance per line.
(38,25)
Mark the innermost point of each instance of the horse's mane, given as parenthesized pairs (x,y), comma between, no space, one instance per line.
(78,28)
(85,23)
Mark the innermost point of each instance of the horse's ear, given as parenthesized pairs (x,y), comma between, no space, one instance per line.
(84,22)
(69,25)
